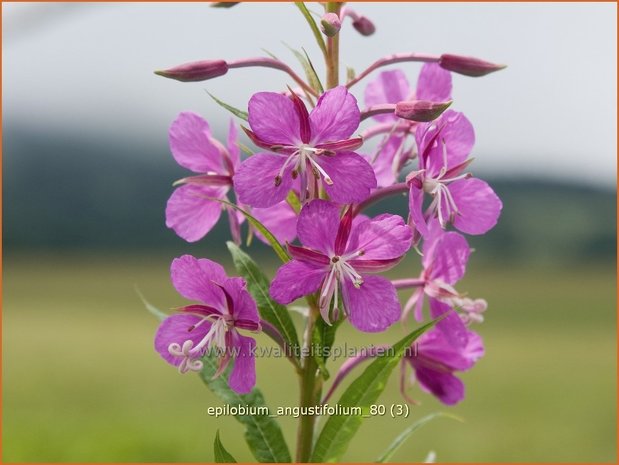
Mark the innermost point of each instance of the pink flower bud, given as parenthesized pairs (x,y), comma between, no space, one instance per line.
(364,26)
(330,24)
(468,66)
(421,111)
(196,71)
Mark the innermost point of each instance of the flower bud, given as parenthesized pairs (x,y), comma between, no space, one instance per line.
(330,24)
(468,66)
(364,26)
(421,111)
(196,71)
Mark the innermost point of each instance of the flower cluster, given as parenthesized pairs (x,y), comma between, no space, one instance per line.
(308,186)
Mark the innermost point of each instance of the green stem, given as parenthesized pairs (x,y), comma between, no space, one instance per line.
(333,51)
(310,386)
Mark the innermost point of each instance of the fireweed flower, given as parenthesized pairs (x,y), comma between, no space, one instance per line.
(433,84)
(315,148)
(434,361)
(468,203)
(191,210)
(445,256)
(335,258)
(225,307)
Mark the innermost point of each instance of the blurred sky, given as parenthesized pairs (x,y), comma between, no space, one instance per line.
(87,69)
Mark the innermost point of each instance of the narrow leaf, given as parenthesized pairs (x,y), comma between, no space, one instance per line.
(310,71)
(362,392)
(224,4)
(220,452)
(262,432)
(159,314)
(271,311)
(404,435)
(293,201)
(235,111)
(350,74)
(322,340)
(313,26)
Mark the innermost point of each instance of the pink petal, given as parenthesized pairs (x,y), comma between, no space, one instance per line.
(233,145)
(478,206)
(449,258)
(189,212)
(353,178)
(194,279)
(274,119)
(447,387)
(388,87)
(335,117)
(254,182)
(191,144)
(458,135)
(384,237)
(415,205)
(433,84)
(244,305)
(280,219)
(318,224)
(175,329)
(296,279)
(452,326)
(243,375)
(372,307)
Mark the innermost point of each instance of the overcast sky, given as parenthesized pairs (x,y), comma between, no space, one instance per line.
(80,68)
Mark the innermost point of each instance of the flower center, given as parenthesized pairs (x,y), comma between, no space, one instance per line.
(215,338)
(339,271)
(304,159)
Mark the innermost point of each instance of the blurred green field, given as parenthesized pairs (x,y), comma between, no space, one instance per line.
(81,382)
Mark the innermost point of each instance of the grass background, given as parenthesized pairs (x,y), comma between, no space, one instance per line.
(81,381)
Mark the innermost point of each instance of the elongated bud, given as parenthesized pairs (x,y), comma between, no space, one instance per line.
(330,24)
(421,111)
(196,71)
(364,26)
(469,66)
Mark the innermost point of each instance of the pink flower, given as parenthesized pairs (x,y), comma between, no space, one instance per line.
(313,147)
(434,361)
(336,256)
(457,198)
(225,307)
(191,211)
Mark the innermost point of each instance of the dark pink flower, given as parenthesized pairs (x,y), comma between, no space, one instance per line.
(468,203)
(313,147)
(224,307)
(335,258)
(434,361)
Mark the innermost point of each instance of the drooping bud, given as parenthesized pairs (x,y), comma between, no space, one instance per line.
(421,111)
(364,26)
(196,71)
(469,66)
(330,24)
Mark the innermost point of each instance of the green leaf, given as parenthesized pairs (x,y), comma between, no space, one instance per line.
(271,311)
(293,201)
(268,235)
(322,340)
(312,24)
(310,71)
(362,392)
(350,74)
(404,435)
(224,4)
(159,314)
(221,454)
(235,111)
(262,432)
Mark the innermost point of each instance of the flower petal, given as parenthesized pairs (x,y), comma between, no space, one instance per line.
(189,212)
(243,375)
(233,145)
(244,305)
(318,224)
(449,257)
(372,307)
(452,326)
(296,279)
(415,206)
(254,182)
(388,87)
(448,388)
(191,144)
(280,219)
(478,206)
(194,279)
(175,329)
(434,83)
(273,118)
(335,117)
(353,177)
(383,237)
